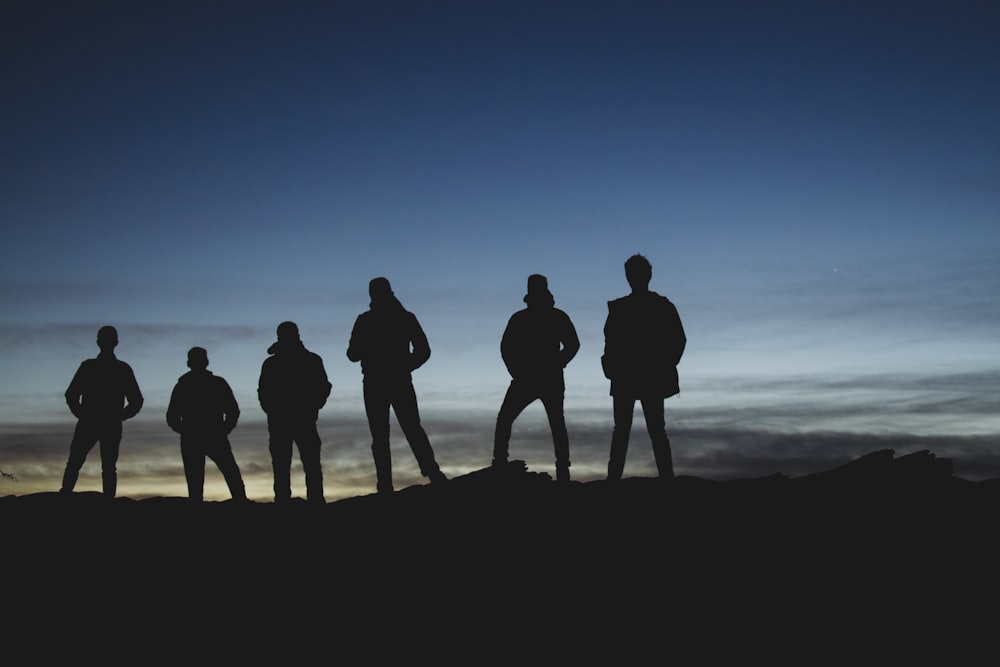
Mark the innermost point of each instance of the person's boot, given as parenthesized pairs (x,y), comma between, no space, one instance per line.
(562,472)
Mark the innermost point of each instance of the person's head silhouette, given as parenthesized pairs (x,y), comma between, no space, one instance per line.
(381,293)
(197,359)
(107,338)
(379,288)
(288,332)
(638,272)
(538,291)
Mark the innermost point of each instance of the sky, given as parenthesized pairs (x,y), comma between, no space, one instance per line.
(816,184)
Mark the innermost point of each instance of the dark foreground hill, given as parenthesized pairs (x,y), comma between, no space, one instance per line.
(893,554)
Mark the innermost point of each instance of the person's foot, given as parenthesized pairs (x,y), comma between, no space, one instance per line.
(437,477)
(562,473)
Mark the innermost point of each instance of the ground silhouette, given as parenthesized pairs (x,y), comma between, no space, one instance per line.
(893,556)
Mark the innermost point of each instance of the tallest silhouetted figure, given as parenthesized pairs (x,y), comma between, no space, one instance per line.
(643,343)
(390,344)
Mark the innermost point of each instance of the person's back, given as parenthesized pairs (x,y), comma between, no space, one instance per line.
(202,403)
(102,386)
(532,343)
(293,381)
(387,339)
(644,341)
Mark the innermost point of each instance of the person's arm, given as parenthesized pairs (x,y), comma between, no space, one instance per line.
(231,407)
(679,342)
(570,341)
(508,351)
(420,348)
(132,395)
(356,345)
(608,360)
(323,386)
(174,418)
(74,393)
(264,388)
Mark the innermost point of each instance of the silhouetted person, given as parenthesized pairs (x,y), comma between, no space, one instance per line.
(204,412)
(643,343)
(538,343)
(102,395)
(390,343)
(293,387)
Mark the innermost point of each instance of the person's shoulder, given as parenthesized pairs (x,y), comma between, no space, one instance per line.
(561,314)
(619,303)
(122,364)
(659,298)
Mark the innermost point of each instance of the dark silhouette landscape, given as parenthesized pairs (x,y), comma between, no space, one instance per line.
(889,553)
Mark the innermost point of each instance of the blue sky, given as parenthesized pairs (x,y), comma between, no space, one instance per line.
(817,186)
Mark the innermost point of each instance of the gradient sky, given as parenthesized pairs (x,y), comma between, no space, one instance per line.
(817,186)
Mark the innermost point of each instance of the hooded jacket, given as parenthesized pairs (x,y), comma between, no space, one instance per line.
(539,340)
(388,341)
(293,382)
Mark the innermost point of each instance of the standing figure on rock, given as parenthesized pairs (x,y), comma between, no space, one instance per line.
(204,411)
(537,344)
(293,387)
(643,343)
(103,394)
(390,344)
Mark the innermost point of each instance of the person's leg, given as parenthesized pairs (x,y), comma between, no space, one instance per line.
(309,443)
(652,410)
(514,402)
(84,438)
(553,401)
(222,454)
(404,404)
(377,410)
(111,438)
(280,446)
(193,458)
(623,408)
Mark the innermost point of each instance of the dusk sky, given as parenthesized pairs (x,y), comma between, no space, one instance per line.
(816,184)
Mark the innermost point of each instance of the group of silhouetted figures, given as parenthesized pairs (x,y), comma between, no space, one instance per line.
(643,343)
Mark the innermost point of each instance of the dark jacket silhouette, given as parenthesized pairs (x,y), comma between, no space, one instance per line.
(293,387)
(644,341)
(204,411)
(102,394)
(390,344)
(537,344)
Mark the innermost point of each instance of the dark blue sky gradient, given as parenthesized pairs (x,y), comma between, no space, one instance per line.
(816,184)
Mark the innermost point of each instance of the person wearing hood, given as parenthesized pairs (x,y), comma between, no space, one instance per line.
(643,343)
(293,387)
(390,344)
(204,411)
(537,344)
(102,394)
